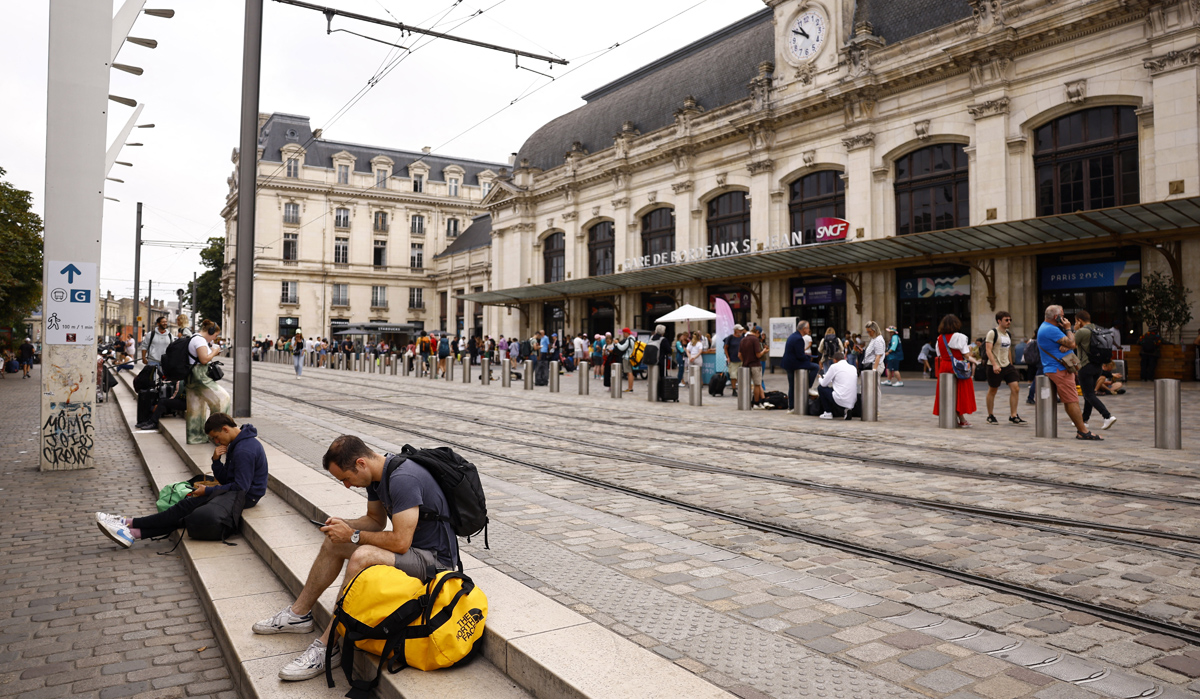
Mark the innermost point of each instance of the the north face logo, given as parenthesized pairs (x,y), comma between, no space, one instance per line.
(467,624)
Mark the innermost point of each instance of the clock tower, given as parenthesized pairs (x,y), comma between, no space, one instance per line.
(809,36)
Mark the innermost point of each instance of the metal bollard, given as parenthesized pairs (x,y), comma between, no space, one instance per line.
(1168,415)
(528,374)
(614,381)
(746,395)
(695,386)
(652,383)
(1046,410)
(405,368)
(396,365)
(554,366)
(505,372)
(584,378)
(466,362)
(432,368)
(485,375)
(371,364)
(947,401)
(800,402)
(450,368)
(870,395)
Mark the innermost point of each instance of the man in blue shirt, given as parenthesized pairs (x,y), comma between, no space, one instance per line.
(1056,339)
(795,357)
(541,375)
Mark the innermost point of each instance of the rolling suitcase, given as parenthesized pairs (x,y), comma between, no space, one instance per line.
(147,402)
(716,385)
(668,389)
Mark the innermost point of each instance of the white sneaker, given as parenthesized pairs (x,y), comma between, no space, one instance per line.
(898,383)
(285,622)
(310,663)
(114,528)
(1108,422)
(826,416)
(885,382)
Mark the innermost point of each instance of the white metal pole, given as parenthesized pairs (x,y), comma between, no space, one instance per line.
(76,135)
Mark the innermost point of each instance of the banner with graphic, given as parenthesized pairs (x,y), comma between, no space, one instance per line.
(933,287)
(724,330)
(1088,276)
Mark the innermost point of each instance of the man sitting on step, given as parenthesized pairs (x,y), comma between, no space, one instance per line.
(419,546)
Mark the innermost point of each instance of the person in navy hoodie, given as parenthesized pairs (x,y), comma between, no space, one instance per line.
(796,356)
(244,468)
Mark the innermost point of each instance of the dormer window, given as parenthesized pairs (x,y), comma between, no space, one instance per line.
(452,186)
(487,187)
(343,174)
(381,177)
(418,183)
(293,167)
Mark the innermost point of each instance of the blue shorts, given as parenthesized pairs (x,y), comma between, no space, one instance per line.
(892,364)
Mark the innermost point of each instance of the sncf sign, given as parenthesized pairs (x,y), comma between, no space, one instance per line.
(829,228)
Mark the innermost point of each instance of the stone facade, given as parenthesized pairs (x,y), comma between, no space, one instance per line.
(337,230)
(862,101)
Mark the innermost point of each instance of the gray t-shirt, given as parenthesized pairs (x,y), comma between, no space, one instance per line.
(411,485)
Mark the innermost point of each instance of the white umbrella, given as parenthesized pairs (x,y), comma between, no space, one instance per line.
(687,313)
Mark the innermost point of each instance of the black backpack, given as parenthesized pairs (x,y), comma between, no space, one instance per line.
(651,353)
(174,363)
(146,379)
(1032,355)
(1104,342)
(459,481)
(218,518)
(716,385)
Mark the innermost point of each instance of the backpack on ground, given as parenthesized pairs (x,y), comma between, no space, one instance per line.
(459,481)
(172,494)
(174,363)
(217,519)
(716,385)
(146,379)
(1104,342)
(406,623)
(777,400)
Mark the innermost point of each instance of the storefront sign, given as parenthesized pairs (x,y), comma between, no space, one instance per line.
(1099,274)
(828,230)
(932,287)
(737,300)
(817,294)
(778,331)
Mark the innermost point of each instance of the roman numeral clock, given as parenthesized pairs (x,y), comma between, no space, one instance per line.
(806,35)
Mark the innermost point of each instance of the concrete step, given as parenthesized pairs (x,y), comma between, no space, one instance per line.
(547,649)
(239,587)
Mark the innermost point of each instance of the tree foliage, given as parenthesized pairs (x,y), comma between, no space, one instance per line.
(208,285)
(1162,302)
(20,255)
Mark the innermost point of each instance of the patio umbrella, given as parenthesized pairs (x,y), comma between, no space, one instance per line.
(687,313)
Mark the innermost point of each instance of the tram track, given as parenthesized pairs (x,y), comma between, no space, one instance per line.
(776,451)
(1106,612)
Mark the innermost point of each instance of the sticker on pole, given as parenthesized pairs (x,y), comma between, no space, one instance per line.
(70,313)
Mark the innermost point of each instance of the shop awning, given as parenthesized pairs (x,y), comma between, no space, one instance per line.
(1114,226)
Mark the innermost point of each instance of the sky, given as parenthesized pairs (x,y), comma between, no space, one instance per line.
(436,96)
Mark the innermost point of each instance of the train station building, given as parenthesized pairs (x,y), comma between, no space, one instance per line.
(845,162)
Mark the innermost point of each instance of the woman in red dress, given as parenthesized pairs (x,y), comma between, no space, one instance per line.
(951,343)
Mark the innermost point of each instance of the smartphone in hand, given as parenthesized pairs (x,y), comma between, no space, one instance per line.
(319,524)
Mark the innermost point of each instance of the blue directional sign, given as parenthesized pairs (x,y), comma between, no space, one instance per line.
(70,271)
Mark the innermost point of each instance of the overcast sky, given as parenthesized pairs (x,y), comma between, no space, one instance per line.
(191,89)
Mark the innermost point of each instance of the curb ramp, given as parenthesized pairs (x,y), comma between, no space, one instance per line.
(533,646)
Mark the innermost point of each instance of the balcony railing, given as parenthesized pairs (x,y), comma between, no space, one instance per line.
(379,305)
(290,300)
(381,229)
(419,306)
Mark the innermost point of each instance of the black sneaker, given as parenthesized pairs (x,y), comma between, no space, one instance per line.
(735,393)
(991,420)
(1016,420)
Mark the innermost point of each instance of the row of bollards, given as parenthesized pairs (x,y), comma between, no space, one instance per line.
(1168,415)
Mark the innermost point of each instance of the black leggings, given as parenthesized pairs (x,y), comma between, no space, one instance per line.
(170,519)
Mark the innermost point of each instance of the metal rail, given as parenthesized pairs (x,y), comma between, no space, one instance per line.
(1109,613)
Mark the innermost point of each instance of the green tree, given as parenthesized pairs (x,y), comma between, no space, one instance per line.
(21,258)
(1162,302)
(208,285)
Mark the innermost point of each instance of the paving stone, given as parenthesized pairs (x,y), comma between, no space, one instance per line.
(807,632)
(1049,625)
(909,640)
(926,660)
(1161,642)
(714,593)
(1183,664)
(1126,653)
(761,611)
(1002,687)
(943,680)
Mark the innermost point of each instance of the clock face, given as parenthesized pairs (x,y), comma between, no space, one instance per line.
(806,35)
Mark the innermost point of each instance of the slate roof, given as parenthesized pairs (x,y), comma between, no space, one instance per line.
(716,70)
(281,129)
(477,235)
(897,20)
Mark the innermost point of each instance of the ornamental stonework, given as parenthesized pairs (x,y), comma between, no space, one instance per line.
(989,108)
(1173,60)
(859,141)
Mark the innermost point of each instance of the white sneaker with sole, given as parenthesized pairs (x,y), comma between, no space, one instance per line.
(898,383)
(826,416)
(1108,422)
(114,528)
(885,382)
(310,663)
(285,622)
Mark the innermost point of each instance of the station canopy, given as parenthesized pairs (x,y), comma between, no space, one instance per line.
(1123,225)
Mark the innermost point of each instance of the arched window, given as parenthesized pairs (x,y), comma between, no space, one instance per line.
(931,189)
(658,235)
(600,249)
(729,222)
(1087,160)
(553,252)
(819,195)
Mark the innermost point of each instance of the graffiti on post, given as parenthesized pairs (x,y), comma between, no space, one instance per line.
(68,435)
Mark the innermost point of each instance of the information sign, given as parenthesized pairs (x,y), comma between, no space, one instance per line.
(70,315)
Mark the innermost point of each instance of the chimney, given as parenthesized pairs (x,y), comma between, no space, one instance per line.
(426,150)
(317,133)
(512,159)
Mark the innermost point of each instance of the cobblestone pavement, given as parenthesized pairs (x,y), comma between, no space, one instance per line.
(78,615)
(535,531)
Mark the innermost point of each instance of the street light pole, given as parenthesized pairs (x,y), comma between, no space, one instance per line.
(193,303)
(137,271)
(243,318)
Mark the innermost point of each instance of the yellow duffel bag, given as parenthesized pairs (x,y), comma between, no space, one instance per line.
(388,613)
